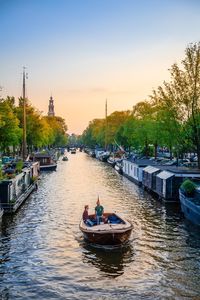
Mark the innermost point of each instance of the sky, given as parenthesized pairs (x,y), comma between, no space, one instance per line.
(83,52)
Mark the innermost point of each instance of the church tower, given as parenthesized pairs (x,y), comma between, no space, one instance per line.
(51,107)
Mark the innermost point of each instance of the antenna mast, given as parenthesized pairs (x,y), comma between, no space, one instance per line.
(106,113)
(24,146)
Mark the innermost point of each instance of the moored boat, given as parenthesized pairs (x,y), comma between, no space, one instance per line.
(45,160)
(119,167)
(104,156)
(65,158)
(1,214)
(16,188)
(73,150)
(111,160)
(114,231)
(190,205)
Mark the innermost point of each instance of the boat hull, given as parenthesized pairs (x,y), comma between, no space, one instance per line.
(12,208)
(111,232)
(65,159)
(51,167)
(189,208)
(107,238)
(1,214)
(119,169)
(111,162)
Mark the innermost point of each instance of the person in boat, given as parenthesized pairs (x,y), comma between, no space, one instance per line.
(86,218)
(85,214)
(99,210)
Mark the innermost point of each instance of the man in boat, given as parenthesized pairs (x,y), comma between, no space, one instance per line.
(99,212)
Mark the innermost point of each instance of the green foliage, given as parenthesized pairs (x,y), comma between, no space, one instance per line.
(19,166)
(1,175)
(34,179)
(41,131)
(104,132)
(57,131)
(188,187)
(9,125)
(171,117)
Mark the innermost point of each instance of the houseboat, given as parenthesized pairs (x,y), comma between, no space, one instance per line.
(163,180)
(169,180)
(45,160)
(149,177)
(133,168)
(190,205)
(15,190)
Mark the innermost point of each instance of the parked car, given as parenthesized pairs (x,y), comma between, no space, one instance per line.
(172,162)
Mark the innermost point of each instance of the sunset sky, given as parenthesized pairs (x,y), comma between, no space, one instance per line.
(87,51)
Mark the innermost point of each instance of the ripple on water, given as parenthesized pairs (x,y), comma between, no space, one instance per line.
(43,254)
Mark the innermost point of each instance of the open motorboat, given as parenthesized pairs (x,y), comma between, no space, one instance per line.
(115,230)
(73,150)
(65,158)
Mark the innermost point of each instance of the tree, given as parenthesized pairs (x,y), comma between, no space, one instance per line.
(185,87)
(113,124)
(10,132)
(58,136)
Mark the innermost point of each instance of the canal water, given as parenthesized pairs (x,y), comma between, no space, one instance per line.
(43,254)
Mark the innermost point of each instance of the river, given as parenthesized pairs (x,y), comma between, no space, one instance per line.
(43,254)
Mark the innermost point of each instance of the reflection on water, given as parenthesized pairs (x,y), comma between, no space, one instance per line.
(110,260)
(43,255)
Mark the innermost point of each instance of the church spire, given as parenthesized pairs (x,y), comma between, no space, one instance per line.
(51,107)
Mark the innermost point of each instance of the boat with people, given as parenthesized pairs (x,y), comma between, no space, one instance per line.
(114,230)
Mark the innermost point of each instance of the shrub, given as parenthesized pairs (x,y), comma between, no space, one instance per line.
(188,187)
(1,175)
(33,179)
(19,166)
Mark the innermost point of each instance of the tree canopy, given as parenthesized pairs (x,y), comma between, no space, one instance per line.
(42,131)
(170,117)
